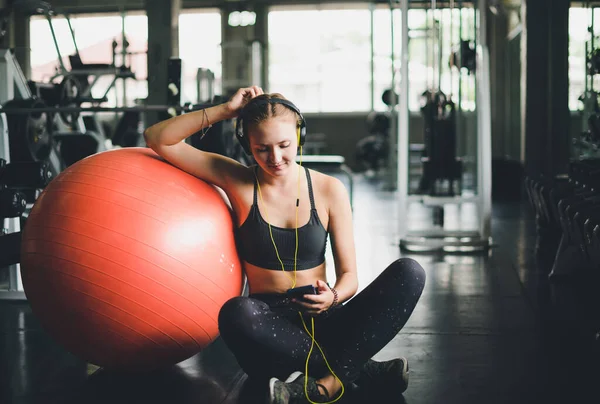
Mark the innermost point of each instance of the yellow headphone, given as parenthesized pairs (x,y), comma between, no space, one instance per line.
(311,334)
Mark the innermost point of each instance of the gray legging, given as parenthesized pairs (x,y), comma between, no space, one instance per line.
(266,335)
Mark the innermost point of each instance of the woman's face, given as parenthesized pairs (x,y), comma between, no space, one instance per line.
(274,144)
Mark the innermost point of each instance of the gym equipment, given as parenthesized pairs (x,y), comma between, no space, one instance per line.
(4,17)
(378,122)
(568,231)
(76,144)
(85,74)
(246,59)
(37,135)
(173,85)
(10,251)
(14,87)
(128,131)
(589,142)
(25,175)
(63,94)
(464,56)
(14,81)
(205,85)
(139,108)
(70,89)
(30,135)
(389,97)
(471,231)
(372,151)
(440,163)
(584,146)
(12,203)
(127,260)
(593,62)
(10,231)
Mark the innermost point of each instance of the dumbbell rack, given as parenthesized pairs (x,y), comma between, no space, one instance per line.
(567,248)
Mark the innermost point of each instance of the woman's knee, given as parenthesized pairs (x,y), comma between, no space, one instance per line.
(237,314)
(415,269)
(407,271)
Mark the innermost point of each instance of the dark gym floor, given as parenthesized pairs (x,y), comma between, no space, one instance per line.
(484,332)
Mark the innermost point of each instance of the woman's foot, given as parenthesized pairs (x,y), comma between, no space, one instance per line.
(385,377)
(292,390)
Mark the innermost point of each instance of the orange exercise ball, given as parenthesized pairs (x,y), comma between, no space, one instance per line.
(127,260)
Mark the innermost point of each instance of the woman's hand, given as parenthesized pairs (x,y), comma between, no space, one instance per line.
(317,304)
(241,98)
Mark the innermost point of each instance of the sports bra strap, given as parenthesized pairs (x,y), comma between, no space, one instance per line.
(310,190)
(255,203)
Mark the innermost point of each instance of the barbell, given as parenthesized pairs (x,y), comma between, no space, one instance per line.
(30,123)
(10,110)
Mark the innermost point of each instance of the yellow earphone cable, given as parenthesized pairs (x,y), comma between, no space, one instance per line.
(311,334)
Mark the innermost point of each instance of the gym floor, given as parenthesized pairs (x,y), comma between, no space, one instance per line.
(484,331)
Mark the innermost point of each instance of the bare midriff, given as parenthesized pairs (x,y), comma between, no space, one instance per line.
(261,280)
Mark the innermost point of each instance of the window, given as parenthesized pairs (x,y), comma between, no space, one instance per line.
(433,37)
(94,35)
(579,21)
(321,58)
(199,46)
(382,53)
(327,68)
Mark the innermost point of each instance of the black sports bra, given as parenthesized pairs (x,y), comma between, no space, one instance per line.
(256,247)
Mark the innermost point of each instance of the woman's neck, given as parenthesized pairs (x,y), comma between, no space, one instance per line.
(281,182)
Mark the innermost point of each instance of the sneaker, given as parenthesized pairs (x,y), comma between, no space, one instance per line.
(292,390)
(389,376)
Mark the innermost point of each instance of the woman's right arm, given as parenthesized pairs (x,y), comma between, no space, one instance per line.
(166,138)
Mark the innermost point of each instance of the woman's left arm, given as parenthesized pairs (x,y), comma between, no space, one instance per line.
(342,243)
(341,230)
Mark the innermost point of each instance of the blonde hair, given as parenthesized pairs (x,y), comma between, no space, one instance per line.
(257,110)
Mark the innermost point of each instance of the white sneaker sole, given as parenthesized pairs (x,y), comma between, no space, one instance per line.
(405,373)
(271,387)
(291,378)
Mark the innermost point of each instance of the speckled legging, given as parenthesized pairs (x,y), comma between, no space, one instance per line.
(268,339)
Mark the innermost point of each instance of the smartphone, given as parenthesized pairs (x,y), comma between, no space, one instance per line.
(301,291)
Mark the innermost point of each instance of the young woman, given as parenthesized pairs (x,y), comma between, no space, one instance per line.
(285,213)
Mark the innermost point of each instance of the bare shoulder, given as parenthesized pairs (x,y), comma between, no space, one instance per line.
(331,189)
(244,180)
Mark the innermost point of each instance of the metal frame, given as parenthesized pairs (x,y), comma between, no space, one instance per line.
(15,86)
(10,225)
(436,239)
(11,75)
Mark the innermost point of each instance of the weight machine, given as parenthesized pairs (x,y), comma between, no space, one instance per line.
(76,80)
(587,144)
(245,59)
(205,85)
(15,86)
(470,206)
